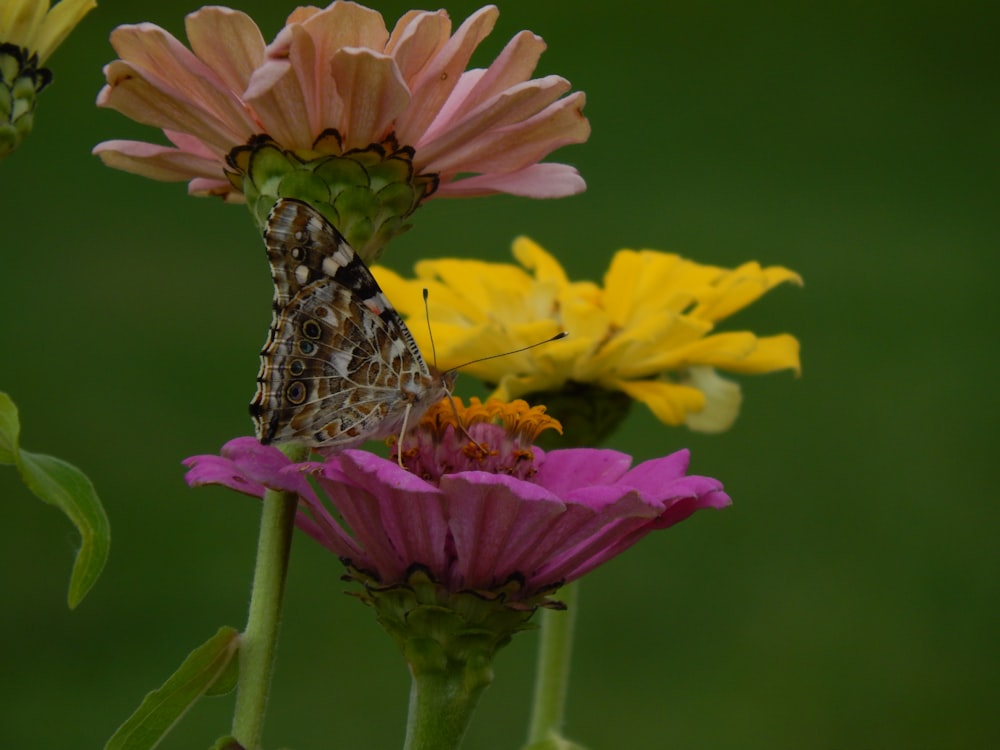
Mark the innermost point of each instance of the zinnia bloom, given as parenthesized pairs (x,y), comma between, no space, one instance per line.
(480,510)
(457,550)
(30,31)
(648,334)
(336,83)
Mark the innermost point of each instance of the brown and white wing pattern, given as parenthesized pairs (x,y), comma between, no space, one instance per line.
(340,366)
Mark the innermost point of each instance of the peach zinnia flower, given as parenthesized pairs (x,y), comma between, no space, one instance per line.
(340,69)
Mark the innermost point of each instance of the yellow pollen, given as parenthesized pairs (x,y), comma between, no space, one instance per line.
(517,417)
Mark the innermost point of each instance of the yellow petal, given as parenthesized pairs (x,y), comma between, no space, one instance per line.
(532,256)
(722,401)
(739,351)
(771,353)
(500,345)
(741,287)
(61,20)
(444,304)
(653,345)
(500,291)
(518,386)
(20,21)
(640,284)
(670,402)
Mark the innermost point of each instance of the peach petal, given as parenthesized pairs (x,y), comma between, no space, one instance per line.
(536,181)
(159,58)
(417,39)
(378,95)
(516,105)
(518,146)
(203,186)
(435,82)
(323,103)
(228,41)
(301,14)
(187,142)
(135,97)
(309,42)
(346,25)
(513,66)
(158,162)
(277,95)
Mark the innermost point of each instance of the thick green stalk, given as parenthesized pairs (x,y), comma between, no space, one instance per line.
(552,671)
(259,641)
(442,702)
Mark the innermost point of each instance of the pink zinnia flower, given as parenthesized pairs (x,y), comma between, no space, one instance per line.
(339,70)
(481,511)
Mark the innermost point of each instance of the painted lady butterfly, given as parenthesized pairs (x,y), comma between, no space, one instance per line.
(340,366)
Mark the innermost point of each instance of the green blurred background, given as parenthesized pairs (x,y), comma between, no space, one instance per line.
(848,599)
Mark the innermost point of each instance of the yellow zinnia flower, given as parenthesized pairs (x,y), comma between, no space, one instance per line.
(648,333)
(38,28)
(30,31)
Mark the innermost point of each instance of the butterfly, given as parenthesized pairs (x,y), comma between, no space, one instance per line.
(339,366)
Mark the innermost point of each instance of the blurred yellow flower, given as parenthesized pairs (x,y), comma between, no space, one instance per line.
(647,333)
(30,31)
(38,28)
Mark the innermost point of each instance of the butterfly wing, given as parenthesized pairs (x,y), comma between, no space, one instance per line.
(339,366)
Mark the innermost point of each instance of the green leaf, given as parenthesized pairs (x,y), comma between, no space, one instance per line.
(63,485)
(9,429)
(161,709)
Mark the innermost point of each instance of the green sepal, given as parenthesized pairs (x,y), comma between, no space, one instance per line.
(21,80)
(227,743)
(63,485)
(206,671)
(366,193)
(588,413)
(437,629)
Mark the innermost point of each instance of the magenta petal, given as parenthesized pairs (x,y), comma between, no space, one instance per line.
(564,470)
(591,513)
(651,477)
(244,465)
(319,523)
(494,519)
(617,519)
(395,516)
(209,469)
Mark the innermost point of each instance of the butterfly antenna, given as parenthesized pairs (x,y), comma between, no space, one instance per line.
(451,399)
(560,335)
(430,331)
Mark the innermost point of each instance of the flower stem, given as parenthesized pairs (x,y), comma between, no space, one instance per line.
(552,673)
(442,702)
(260,638)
